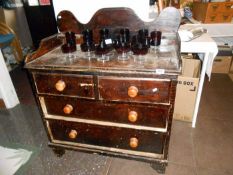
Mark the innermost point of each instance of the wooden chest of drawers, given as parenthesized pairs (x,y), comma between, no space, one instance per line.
(214,12)
(118,108)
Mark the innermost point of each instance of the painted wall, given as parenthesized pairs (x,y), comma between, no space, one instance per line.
(83,10)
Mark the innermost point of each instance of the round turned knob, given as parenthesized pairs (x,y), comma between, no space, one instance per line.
(133,143)
(73,134)
(60,85)
(132,91)
(68,109)
(133,116)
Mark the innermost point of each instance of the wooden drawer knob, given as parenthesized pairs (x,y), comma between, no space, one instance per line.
(132,91)
(133,143)
(133,116)
(68,109)
(214,7)
(60,85)
(73,134)
(228,6)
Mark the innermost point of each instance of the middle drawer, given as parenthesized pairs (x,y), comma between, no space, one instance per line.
(135,114)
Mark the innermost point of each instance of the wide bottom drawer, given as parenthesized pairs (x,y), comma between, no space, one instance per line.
(106,136)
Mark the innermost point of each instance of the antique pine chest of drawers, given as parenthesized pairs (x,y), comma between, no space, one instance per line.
(122,108)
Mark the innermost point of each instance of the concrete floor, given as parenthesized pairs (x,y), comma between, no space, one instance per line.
(205,150)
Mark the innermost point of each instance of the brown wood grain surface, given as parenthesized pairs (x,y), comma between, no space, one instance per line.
(45,46)
(76,85)
(116,18)
(147,115)
(152,90)
(114,137)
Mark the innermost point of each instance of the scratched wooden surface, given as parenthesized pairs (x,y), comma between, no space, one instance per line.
(166,58)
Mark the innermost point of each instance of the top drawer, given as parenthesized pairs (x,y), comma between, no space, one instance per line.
(62,84)
(216,7)
(227,7)
(134,89)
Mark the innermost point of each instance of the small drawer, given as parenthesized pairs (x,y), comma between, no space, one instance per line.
(106,136)
(214,7)
(211,18)
(227,7)
(134,89)
(143,115)
(225,17)
(219,18)
(72,85)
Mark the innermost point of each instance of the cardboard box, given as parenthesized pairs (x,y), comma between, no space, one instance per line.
(222,64)
(190,66)
(186,90)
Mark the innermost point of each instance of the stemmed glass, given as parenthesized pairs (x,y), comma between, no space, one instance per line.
(70,44)
(88,45)
(140,45)
(155,40)
(104,45)
(125,34)
(122,44)
(142,34)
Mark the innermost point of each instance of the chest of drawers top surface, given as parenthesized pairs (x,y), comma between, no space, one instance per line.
(165,60)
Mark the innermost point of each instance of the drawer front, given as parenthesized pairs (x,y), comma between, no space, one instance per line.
(227,7)
(144,115)
(73,85)
(107,136)
(134,90)
(212,18)
(225,17)
(213,8)
(218,18)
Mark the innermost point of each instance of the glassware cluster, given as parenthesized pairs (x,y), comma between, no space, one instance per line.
(122,42)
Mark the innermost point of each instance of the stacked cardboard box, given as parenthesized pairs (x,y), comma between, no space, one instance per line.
(187,87)
(222,62)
